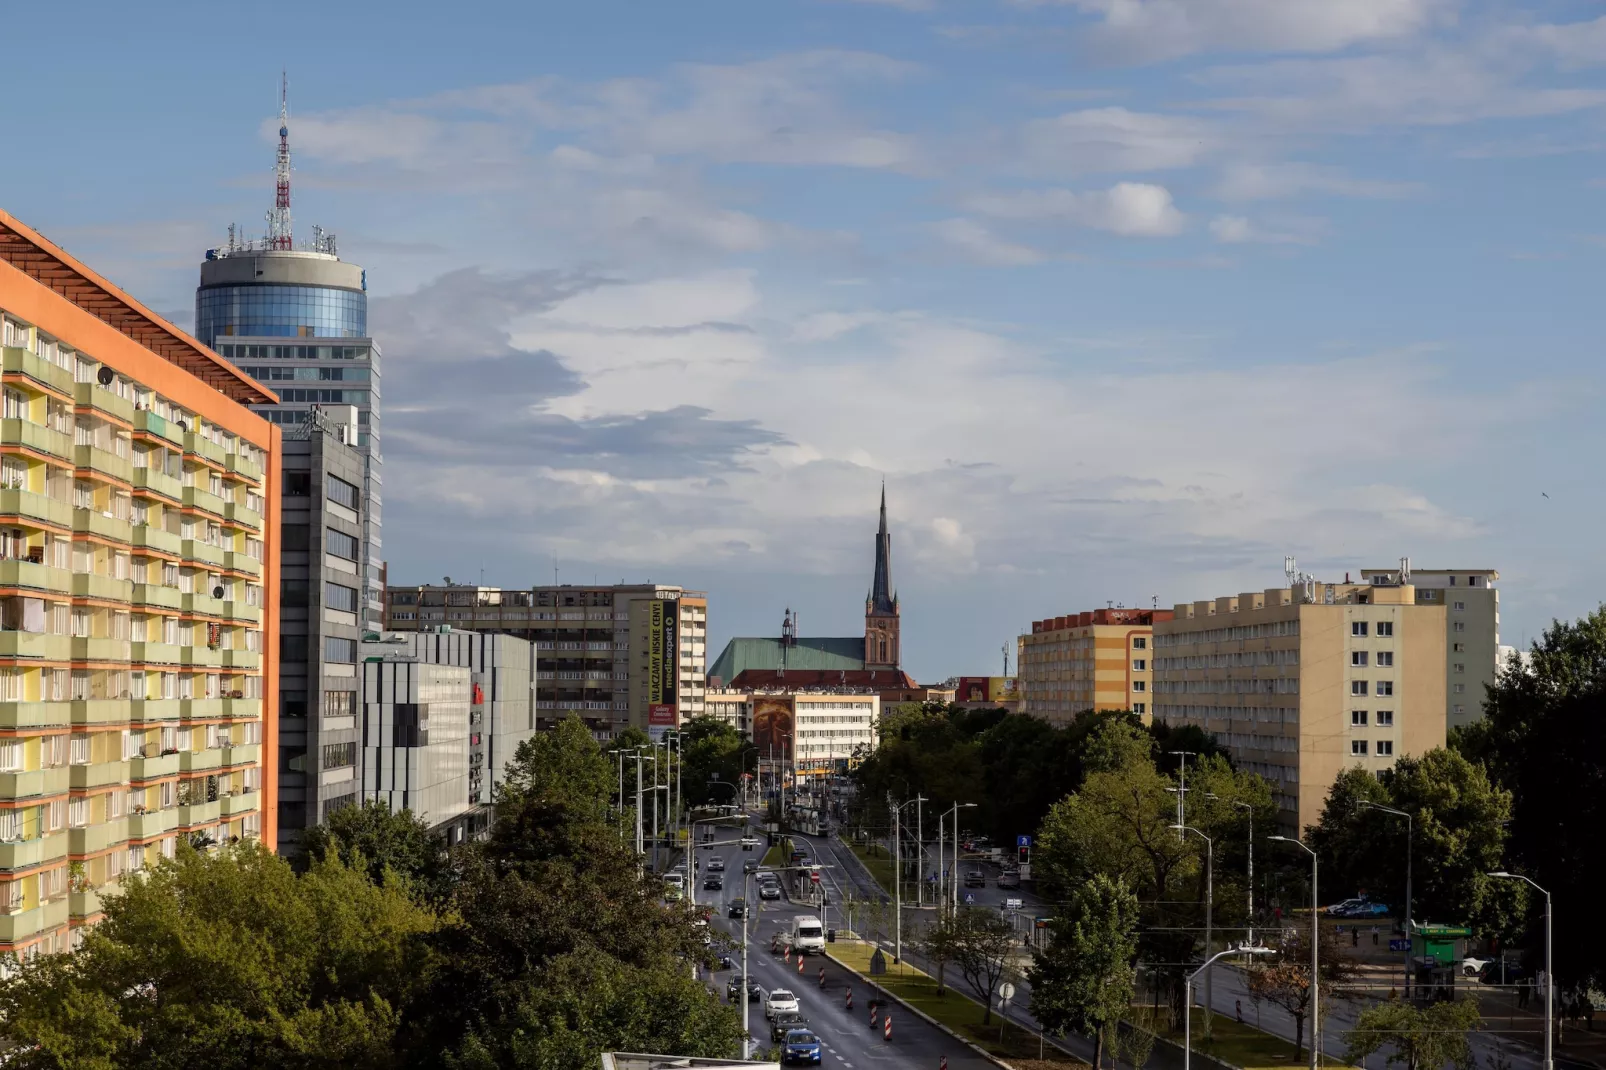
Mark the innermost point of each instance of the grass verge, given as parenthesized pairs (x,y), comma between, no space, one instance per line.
(878,860)
(1234,1042)
(1005,1040)
(772,857)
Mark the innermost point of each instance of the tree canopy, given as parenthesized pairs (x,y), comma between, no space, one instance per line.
(1086,978)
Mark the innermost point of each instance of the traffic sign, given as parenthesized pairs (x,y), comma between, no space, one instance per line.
(1023,841)
(1006,991)
(1012,904)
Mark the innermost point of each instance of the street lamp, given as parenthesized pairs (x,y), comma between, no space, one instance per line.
(897,874)
(1187,1004)
(1251,811)
(953,900)
(1210,910)
(1409,825)
(1315,952)
(1550,978)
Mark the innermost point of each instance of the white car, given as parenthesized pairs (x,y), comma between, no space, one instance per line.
(779,1001)
(1471,967)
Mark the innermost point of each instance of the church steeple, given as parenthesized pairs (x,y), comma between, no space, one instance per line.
(881,605)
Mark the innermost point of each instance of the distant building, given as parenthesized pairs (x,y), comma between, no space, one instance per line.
(1096,660)
(729,706)
(1472,617)
(809,731)
(1300,683)
(618,656)
(988,693)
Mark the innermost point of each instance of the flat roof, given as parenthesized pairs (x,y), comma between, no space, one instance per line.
(54,268)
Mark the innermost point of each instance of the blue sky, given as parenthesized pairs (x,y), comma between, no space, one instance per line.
(1125,299)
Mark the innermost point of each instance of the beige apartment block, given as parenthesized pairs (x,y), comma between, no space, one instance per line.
(1472,619)
(1097,660)
(1301,684)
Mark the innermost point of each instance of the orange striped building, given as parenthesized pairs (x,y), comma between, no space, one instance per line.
(1098,660)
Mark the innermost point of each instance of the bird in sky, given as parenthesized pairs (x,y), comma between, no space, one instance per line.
(1542,494)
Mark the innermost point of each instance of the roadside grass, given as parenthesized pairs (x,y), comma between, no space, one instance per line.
(772,857)
(1235,1043)
(952,1008)
(877,859)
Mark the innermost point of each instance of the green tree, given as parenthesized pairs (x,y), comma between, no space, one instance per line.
(979,946)
(713,751)
(1085,980)
(1417,1039)
(1285,980)
(234,961)
(561,767)
(375,838)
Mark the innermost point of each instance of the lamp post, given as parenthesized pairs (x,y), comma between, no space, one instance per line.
(897,875)
(1187,998)
(1210,911)
(1315,952)
(1550,978)
(1251,810)
(1409,839)
(953,901)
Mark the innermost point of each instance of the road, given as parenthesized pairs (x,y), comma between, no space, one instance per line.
(846,1037)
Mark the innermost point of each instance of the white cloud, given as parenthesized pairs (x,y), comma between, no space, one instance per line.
(1115,139)
(1280,180)
(981,245)
(1131,209)
(1576,44)
(1285,230)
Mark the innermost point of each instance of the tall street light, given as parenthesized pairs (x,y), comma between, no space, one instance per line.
(953,901)
(1550,978)
(897,875)
(1315,952)
(1210,911)
(1409,840)
(1251,810)
(1187,999)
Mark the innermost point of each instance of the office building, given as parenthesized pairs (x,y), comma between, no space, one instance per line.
(320,624)
(294,316)
(1472,617)
(618,656)
(139,527)
(1096,660)
(814,731)
(728,705)
(1302,682)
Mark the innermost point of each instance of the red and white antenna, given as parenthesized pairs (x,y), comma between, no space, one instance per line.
(279,235)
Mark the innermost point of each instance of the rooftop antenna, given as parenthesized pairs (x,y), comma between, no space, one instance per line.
(279,233)
(1005,649)
(1405,570)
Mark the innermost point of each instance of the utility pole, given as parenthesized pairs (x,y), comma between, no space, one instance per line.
(920,851)
(640,847)
(1182,787)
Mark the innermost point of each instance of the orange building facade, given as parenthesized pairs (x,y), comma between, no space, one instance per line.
(139,534)
(1097,660)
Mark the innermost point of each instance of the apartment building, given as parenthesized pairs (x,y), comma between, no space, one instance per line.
(1472,617)
(729,705)
(1301,683)
(618,656)
(814,731)
(139,535)
(1096,660)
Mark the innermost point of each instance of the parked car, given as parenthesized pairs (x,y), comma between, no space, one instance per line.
(1471,967)
(1369,910)
(801,1047)
(1341,909)
(779,1001)
(785,1023)
(975,878)
(738,908)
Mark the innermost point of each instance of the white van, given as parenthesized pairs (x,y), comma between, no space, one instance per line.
(807,934)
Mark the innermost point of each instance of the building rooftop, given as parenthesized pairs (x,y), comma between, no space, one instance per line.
(826,680)
(1138,617)
(803,654)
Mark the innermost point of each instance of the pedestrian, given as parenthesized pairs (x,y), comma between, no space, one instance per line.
(1355,937)
(1374,936)
(1238,1005)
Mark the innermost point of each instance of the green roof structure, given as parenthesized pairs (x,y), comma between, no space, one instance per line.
(817,654)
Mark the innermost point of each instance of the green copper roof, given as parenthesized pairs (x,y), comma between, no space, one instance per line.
(817,653)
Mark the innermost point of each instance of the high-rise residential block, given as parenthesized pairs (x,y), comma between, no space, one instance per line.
(1472,622)
(1097,660)
(1300,683)
(618,656)
(139,530)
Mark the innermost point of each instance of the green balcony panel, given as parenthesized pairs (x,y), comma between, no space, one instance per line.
(28,923)
(19,361)
(199,655)
(157,539)
(156,709)
(94,522)
(150,594)
(238,463)
(203,604)
(95,396)
(93,585)
(245,516)
(195,761)
(30,714)
(204,447)
(35,645)
(93,838)
(100,649)
(196,550)
(242,659)
(37,577)
(202,708)
(199,814)
(205,500)
(97,711)
(87,903)
(146,420)
(241,803)
(154,653)
(241,754)
(36,437)
(241,562)
(158,483)
(120,468)
(99,774)
(241,611)
(19,854)
(242,707)
(153,768)
(155,823)
(31,506)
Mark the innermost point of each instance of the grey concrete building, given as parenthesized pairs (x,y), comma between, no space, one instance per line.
(1472,630)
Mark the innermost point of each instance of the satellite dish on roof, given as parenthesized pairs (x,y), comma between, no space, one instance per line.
(105,375)
(217,592)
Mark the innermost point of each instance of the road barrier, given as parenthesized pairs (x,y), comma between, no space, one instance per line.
(850,1000)
(886,1033)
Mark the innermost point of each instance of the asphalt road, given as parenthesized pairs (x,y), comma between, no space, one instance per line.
(845,1036)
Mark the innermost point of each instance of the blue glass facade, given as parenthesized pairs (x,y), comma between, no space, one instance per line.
(272,310)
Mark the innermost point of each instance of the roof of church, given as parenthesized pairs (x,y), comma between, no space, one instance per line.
(817,653)
(774,679)
(882,600)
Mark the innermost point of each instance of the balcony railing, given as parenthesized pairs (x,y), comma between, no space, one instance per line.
(95,522)
(158,482)
(155,709)
(98,774)
(94,585)
(108,464)
(145,420)
(100,649)
(95,396)
(37,437)
(14,573)
(99,711)
(16,360)
(154,768)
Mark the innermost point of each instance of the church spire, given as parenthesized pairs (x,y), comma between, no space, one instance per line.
(881,600)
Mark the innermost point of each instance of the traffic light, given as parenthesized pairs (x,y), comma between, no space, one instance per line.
(1024,854)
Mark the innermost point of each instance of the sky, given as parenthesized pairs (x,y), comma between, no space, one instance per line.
(1124,300)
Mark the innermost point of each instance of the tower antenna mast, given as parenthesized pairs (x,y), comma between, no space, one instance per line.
(279,233)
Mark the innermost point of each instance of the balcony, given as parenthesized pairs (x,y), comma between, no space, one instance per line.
(94,396)
(98,774)
(240,465)
(36,437)
(241,754)
(35,645)
(107,464)
(198,814)
(158,483)
(93,838)
(153,768)
(145,420)
(202,446)
(203,604)
(29,714)
(99,711)
(154,653)
(201,708)
(95,522)
(243,515)
(242,659)
(196,550)
(156,539)
(148,710)
(200,761)
(242,803)
(204,500)
(18,361)
(14,573)
(150,825)
(94,585)
(100,649)
(20,853)
(86,903)
(242,708)
(150,594)
(239,562)
(200,655)
(33,783)
(29,923)
(242,611)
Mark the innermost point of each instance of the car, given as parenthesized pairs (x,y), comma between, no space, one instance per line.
(1369,910)
(725,962)
(1342,909)
(749,842)
(716,864)
(1471,967)
(734,986)
(1009,879)
(779,1001)
(738,908)
(755,992)
(769,891)
(800,1047)
(750,866)
(713,883)
(785,1023)
(975,878)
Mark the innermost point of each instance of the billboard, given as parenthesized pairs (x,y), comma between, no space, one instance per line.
(772,725)
(1000,690)
(663,665)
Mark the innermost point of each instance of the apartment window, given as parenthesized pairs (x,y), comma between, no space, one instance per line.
(1140,665)
(337,649)
(1140,707)
(1458,710)
(1458,648)
(1357,747)
(78,749)
(341,598)
(77,813)
(1385,748)
(292,647)
(339,703)
(14,473)
(1460,666)
(343,493)
(1460,606)
(10,825)
(1460,626)
(1385,629)
(1357,687)
(10,756)
(1357,659)
(1385,718)
(1460,689)
(339,755)
(1140,643)
(1139,685)
(298,484)
(1385,687)
(1357,717)
(1357,628)
(340,544)
(1385,659)
(1427,596)
(55,815)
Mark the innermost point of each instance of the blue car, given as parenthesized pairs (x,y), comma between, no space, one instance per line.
(801,1047)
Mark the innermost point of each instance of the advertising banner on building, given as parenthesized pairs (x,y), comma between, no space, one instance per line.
(663,665)
(772,726)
